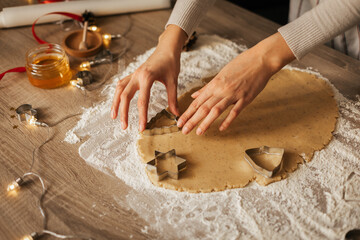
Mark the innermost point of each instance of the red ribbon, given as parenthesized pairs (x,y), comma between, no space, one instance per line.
(39,40)
(17,69)
(49,1)
(67,14)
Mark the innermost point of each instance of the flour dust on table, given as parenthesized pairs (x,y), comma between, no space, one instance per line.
(319,200)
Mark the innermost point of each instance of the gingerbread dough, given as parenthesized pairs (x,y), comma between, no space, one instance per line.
(296,111)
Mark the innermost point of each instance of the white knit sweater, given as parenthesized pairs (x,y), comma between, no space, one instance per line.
(325,21)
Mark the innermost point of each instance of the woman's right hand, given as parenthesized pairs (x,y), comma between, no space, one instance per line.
(164,66)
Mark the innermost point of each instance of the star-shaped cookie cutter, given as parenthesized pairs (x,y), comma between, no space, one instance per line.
(150,130)
(25,112)
(268,151)
(152,166)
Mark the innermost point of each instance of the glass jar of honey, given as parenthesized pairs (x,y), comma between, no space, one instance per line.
(47,66)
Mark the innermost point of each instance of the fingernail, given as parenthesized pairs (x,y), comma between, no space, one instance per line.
(113,114)
(199,131)
(221,128)
(180,123)
(123,125)
(141,127)
(185,130)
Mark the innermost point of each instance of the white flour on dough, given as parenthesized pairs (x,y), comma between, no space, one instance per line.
(318,201)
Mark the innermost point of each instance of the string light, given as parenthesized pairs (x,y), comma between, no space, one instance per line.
(78,83)
(27,114)
(34,122)
(83,78)
(108,37)
(85,65)
(104,57)
(31,119)
(32,236)
(15,185)
(106,40)
(93,28)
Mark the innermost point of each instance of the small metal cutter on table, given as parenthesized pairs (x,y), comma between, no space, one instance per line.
(25,112)
(268,151)
(180,165)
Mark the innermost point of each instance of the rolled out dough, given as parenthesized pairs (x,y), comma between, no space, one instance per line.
(296,111)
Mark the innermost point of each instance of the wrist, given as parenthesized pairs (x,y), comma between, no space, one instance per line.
(274,52)
(172,39)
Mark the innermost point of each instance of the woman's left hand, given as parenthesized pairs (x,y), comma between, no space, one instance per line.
(238,83)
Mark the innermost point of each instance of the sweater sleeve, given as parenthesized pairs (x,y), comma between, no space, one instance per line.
(322,23)
(187,14)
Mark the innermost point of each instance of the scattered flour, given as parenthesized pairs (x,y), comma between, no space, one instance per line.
(319,200)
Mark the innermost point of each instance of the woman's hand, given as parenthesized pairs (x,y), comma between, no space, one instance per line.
(164,66)
(238,83)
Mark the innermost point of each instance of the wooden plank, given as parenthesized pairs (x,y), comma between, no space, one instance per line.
(80,198)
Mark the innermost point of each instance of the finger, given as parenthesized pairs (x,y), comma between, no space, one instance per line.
(171,89)
(125,99)
(198,92)
(143,104)
(118,91)
(192,109)
(200,114)
(195,94)
(239,105)
(215,112)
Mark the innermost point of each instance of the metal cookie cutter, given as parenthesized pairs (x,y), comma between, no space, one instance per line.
(150,130)
(25,112)
(178,165)
(84,77)
(268,151)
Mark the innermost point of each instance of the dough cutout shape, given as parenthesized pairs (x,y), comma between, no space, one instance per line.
(296,111)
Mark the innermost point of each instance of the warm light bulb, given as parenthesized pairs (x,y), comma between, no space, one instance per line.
(106,36)
(93,28)
(32,236)
(106,40)
(27,237)
(13,186)
(32,121)
(73,83)
(80,82)
(85,65)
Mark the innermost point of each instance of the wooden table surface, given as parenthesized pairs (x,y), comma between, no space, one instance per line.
(74,187)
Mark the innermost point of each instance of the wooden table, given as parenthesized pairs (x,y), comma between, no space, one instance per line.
(74,187)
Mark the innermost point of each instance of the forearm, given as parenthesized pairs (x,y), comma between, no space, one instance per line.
(273,52)
(322,23)
(172,39)
(187,14)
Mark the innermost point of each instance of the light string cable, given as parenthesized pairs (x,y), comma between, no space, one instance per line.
(108,72)
(105,57)
(20,181)
(34,122)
